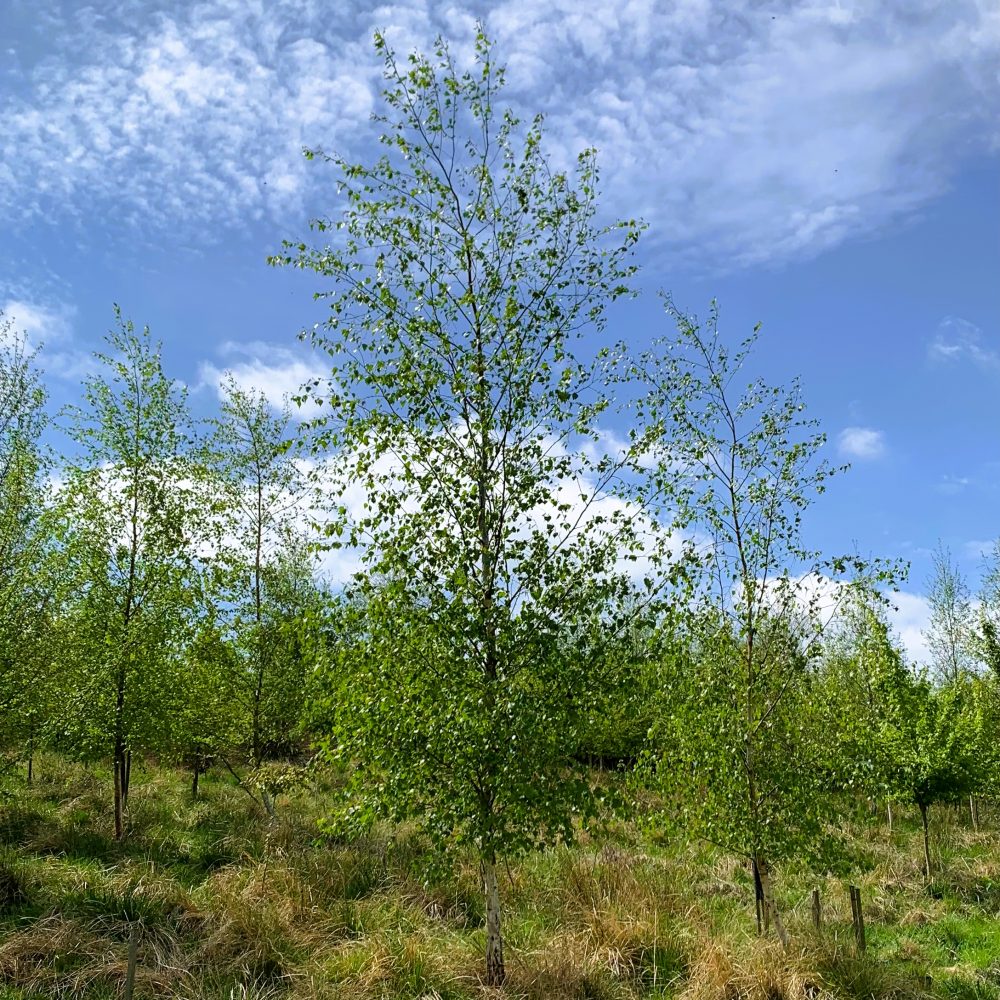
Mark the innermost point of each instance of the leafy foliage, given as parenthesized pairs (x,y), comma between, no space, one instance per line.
(740,466)
(128,503)
(463,269)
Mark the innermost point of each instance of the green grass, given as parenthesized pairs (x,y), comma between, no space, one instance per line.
(226,905)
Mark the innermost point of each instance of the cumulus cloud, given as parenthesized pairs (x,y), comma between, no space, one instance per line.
(746,132)
(277,372)
(861,442)
(956,340)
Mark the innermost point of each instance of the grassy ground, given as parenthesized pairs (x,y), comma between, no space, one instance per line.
(225,905)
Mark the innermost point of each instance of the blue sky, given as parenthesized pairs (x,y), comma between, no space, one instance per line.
(831,169)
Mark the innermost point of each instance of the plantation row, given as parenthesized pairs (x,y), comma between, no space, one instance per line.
(563,550)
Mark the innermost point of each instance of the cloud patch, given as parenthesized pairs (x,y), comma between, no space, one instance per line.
(861,442)
(277,372)
(957,341)
(39,323)
(745,132)
(910,618)
(49,330)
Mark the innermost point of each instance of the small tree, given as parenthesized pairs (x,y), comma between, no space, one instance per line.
(930,741)
(986,627)
(951,634)
(740,467)
(463,269)
(128,504)
(860,665)
(26,589)
(206,718)
(259,561)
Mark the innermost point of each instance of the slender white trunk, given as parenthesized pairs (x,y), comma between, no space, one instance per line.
(770,906)
(495,972)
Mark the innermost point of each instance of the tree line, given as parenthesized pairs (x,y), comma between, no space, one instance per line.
(568,550)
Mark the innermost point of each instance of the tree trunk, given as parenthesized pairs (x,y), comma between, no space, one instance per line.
(118,755)
(495,972)
(119,766)
(974,813)
(758,897)
(127,781)
(770,906)
(927,841)
(31,772)
(268,801)
(194,779)
(888,810)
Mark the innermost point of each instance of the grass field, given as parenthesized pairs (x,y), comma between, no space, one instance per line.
(224,904)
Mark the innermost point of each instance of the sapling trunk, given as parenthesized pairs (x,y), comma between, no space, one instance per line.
(495,972)
(770,906)
(758,897)
(119,805)
(267,799)
(127,781)
(927,840)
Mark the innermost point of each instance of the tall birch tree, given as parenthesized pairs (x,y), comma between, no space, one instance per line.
(460,274)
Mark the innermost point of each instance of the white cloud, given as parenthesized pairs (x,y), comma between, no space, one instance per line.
(910,617)
(746,132)
(49,329)
(277,372)
(861,442)
(177,116)
(39,323)
(958,340)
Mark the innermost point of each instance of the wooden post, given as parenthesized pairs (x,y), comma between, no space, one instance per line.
(817,913)
(132,955)
(858,918)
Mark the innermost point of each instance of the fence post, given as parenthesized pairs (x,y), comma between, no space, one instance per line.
(817,913)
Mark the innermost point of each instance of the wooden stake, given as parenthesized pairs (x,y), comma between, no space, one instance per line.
(817,913)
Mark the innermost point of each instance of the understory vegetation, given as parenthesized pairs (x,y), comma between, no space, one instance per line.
(225,902)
